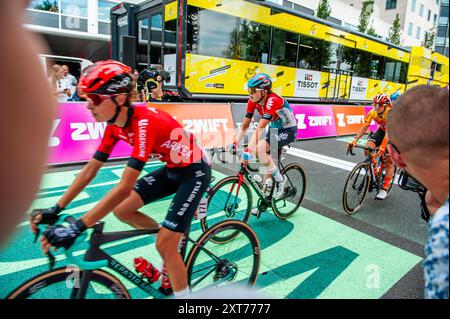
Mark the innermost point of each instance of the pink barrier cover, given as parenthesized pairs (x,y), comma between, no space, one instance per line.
(76,136)
(314,121)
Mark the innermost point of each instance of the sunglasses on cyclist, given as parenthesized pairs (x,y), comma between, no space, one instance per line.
(253,90)
(97,99)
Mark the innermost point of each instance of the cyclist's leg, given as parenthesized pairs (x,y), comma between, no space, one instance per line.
(193,182)
(149,188)
(275,140)
(371,142)
(389,171)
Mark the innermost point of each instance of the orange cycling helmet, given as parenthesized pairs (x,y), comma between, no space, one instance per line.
(106,77)
(381,99)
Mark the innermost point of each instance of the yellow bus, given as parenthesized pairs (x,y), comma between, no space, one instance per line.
(212,47)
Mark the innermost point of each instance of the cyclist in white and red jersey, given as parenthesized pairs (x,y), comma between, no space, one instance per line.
(277,116)
(187,173)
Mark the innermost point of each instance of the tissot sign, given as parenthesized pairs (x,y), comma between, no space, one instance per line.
(359,88)
(307,83)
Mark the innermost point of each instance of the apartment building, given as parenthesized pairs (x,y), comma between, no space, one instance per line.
(75,28)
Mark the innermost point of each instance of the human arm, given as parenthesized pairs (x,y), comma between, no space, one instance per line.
(21,170)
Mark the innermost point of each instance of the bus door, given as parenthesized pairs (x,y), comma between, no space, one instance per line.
(338,84)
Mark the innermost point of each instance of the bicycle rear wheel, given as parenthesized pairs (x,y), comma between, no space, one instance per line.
(237,263)
(356,188)
(227,201)
(64,283)
(294,192)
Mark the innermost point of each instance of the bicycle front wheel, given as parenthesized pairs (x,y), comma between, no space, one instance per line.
(236,263)
(356,188)
(228,201)
(64,283)
(294,192)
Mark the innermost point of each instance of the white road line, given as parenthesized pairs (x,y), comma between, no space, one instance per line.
(327,160)
(319,158)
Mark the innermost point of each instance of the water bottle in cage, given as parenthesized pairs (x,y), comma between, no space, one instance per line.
(259,181)
(146,269)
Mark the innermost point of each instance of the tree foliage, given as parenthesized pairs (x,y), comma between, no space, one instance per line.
(364,16)
(395,31)
(430,36)
(323,10)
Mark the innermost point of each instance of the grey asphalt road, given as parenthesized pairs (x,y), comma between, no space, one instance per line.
(395,220)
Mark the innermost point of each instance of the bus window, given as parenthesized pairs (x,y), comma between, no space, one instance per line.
(254,39)
(310,54)
(362,63)
(284,48)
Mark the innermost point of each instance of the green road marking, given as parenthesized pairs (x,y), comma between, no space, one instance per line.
(361,142)
(307,256)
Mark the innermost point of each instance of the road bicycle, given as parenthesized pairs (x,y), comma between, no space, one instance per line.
(91,276)
(365,177)
(232,199)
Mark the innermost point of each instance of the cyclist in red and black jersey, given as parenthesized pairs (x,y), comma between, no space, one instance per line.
(187,172)
(279,120)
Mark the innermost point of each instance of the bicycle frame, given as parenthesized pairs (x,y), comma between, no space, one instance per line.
(244,174)
(95,258)
(369,160)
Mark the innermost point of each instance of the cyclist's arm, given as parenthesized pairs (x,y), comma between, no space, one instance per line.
(113,198)
(361,132)
(243,129)
(86,175)
(258,134)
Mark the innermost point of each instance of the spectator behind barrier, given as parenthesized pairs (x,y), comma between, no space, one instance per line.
(27,112)
(418,128)
(71,81)
(60,87)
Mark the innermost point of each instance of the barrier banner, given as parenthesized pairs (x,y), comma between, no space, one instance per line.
(211,123)
(349,119)
(314,121)
(76,136)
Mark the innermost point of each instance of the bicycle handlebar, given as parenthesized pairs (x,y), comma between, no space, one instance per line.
(79,261)
(350,149)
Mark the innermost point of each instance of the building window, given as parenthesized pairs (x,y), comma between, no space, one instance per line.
(104,17)
(435,19)
(422,10)
(429,15)
(45,5)
(287,4)
(391,4)
(410,29)
(74,8)
(413,5)
(419,31)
